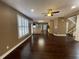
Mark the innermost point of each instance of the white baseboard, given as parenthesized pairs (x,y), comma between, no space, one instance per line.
(8,52)
(60,34)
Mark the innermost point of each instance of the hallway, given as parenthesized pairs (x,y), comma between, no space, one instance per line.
(46,47)
(39,29)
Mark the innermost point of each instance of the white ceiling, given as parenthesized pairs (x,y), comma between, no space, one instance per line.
(41,6)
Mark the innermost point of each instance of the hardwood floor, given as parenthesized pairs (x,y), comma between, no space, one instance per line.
(46,47)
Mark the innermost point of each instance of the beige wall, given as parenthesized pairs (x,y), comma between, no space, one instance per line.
(51,26)
(8,28)
(57,26)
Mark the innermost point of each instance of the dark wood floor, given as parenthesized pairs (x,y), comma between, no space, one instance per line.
(46,47)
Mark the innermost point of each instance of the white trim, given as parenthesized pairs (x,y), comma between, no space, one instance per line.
(67,23)
(8,52)
(60,34)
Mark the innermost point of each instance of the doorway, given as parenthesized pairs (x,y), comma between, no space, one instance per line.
(40,28)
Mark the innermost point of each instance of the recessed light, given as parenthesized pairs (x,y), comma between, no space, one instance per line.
(32,10)
(73,7)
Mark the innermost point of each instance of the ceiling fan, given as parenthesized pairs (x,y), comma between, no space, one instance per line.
(50,12)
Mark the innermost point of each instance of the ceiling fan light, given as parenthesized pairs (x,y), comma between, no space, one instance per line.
(49,14)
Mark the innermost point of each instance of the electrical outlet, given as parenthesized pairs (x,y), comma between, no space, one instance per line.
(7,47)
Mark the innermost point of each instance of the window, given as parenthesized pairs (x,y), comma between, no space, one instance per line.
(23,26)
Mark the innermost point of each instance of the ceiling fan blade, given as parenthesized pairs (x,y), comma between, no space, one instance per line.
(56,12)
